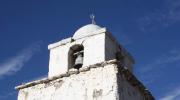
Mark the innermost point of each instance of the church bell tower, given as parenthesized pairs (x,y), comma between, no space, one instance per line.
(90,65)
(89,45)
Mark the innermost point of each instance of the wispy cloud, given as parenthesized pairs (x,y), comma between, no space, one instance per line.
(167,15)
(148,72)
(7,95)
(14,64)
(172,95)
(169,57)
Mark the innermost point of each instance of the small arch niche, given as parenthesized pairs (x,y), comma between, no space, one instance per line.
(75,56)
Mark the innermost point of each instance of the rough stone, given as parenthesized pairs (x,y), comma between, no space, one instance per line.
(73,71)
(83,69)
(101,83)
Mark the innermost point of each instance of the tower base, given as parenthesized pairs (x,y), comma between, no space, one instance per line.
(103,81)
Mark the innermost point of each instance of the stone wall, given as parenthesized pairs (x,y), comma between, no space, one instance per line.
(96,84)
(127,92)
(102,81)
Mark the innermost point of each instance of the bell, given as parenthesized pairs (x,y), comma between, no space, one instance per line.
(79,60)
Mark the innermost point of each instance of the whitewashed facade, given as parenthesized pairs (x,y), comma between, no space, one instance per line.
(106,72)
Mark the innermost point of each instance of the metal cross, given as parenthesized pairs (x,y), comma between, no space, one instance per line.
(93,18)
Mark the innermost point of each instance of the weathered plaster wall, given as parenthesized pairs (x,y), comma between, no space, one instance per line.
(126,91)
(101,83)
(96,84)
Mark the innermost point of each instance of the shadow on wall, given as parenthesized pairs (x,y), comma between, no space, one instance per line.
(75,56)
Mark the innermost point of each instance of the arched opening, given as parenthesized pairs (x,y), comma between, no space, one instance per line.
(75,56)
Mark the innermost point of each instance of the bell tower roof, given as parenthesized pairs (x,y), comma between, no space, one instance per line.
(86,30)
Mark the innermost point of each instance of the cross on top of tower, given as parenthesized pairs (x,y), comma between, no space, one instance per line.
(92,16)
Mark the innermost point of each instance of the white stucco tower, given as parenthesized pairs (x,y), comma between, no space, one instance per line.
(90,65)
(97,44)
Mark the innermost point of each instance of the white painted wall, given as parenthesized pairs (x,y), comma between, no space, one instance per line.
(94,49)
(58,62)
(97,48)
(96,84)
(102,83)
(94,52)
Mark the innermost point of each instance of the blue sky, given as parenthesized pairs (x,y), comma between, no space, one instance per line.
(149,30)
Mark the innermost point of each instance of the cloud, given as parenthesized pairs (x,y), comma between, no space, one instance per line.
(14,64)
(172,95)
(172,56)
(151,71)
(7,95)
(165,16)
